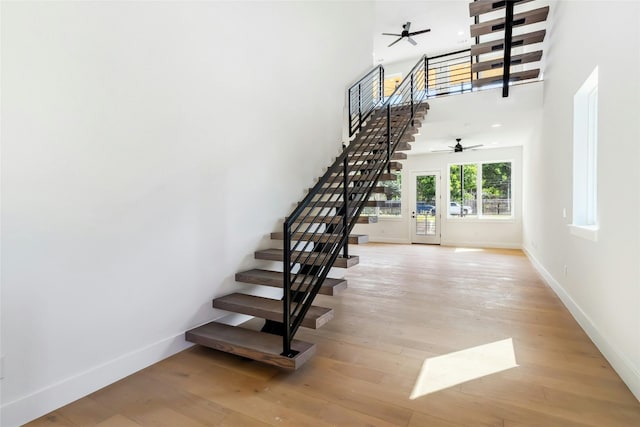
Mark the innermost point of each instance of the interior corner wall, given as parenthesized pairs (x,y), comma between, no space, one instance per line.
(148,148)
(598,281)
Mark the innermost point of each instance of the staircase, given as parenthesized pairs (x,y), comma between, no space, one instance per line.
(316,235)
(494,58)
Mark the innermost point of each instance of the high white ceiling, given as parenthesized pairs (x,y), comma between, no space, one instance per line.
(483,118)
(449,22)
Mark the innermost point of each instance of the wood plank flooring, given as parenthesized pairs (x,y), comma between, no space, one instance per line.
(403,304)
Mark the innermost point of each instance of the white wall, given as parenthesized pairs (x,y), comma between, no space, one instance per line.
(455,231)
(598,281)
(147,150)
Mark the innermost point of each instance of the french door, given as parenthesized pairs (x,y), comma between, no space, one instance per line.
(425,208)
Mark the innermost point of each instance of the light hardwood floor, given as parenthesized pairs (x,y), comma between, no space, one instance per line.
(404,304)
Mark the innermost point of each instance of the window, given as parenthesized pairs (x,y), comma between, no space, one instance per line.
(496,189)
(463,190)
(480,190)
(585,158)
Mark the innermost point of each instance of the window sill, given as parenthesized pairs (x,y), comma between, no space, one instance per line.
(389,218)
(587,232)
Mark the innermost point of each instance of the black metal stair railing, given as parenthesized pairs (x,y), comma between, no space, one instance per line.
(316,232)
(364,96)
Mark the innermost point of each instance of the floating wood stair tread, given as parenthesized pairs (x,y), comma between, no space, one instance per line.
(271,309)
(254,345)
(309,258)
(480,7)
(319,219)
(368,139)
(514,77)
(365,166)
(403,146)
(275,279)
(367,219)
(519,19)
(522,58)
(498,45)
(354,239)
(365,177)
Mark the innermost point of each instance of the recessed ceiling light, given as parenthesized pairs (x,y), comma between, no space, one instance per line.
(461,33)
(496,125)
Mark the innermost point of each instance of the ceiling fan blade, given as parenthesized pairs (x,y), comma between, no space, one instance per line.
(395,42)
(412,41)
(391,34)
(473,146)
(420,32)
(407,26)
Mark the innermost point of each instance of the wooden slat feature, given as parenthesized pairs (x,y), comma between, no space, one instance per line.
(480,7)
(274,279)
(367,219)
(519,19)
(309,258)
(521,75)
(271,309)
(522,58)
(498,45)
(354,239)
(254,345)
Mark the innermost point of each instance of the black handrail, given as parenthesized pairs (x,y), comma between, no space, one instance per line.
(331,208)
(364,96)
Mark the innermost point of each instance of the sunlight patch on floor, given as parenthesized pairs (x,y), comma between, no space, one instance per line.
(459,250)
(451,369)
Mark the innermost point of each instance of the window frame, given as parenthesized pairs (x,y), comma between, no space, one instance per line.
(477,215)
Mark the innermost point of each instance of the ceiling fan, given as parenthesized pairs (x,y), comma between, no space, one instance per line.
(458,148)
(407,34)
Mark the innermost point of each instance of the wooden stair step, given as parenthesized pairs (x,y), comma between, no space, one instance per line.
(365,167)
(255,345)
(522,58)
(275,279)
(480,7)
(364,177)
(498,45)
(310,258)
(514,77)
(367,139)
(367,219)
(319,219)
(271,309)
(402,146)
(354,239)
(519,19)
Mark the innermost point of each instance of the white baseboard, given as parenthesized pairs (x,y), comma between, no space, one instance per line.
(620,363)
(378,239)
(488,245)
(54,396)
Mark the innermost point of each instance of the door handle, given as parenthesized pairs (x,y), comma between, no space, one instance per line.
(413,214)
